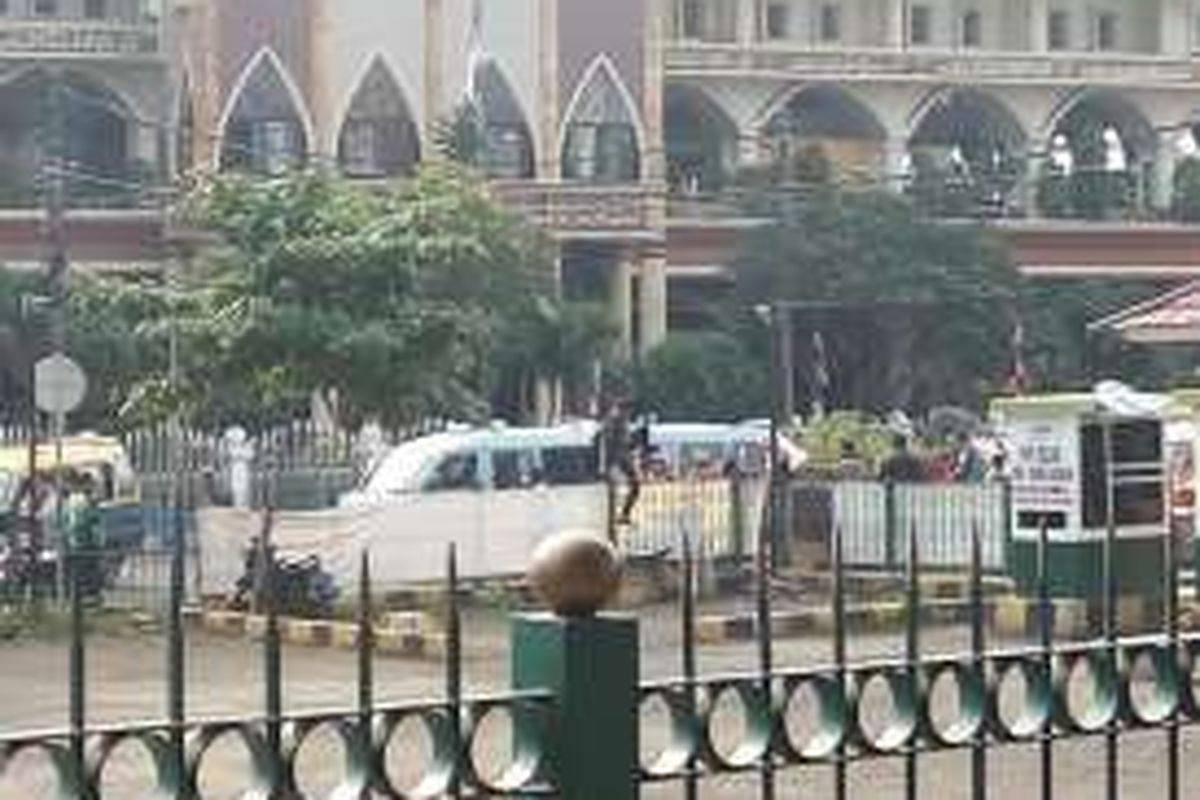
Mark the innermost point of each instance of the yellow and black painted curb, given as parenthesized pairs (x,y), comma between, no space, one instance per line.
(1006,616)
(879,616)
(408,635)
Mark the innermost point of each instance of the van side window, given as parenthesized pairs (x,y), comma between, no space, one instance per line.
(457,471)
(570,466)
(514,469)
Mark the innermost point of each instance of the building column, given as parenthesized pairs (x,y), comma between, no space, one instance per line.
(620,302)
(1039,26)
(654,167)
(206,86)
(435,72)
(1166,154)
(896,35)
(1027,189)
(896,163)
(749,149)
(323,103)
(652,302)
(1175,27)
(749,22)
(548,155)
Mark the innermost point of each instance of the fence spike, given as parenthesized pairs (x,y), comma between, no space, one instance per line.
(454,671)
(1111,742)
(176,663)
(691,784)
(978,662)
(1171,622)
(366,674)
(1046,634)
(763,626)
(912,655)
(273,672)
(78,674)
(839,651)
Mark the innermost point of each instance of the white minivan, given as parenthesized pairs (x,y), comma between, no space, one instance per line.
(499,458)
(496,492)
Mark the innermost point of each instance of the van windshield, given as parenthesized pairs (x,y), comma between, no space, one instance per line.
(401,469)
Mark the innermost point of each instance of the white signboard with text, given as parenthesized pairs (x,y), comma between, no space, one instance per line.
(1045,472)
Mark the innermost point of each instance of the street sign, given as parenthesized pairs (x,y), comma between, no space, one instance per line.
(59,384)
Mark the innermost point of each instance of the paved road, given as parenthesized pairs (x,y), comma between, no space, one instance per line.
(126,682)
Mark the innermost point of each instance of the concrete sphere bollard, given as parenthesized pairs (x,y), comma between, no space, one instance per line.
(576,573)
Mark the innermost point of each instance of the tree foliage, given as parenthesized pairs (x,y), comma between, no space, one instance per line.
(704,376)
(418,300)
(912,311)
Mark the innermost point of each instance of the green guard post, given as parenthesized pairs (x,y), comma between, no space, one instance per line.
(590,664)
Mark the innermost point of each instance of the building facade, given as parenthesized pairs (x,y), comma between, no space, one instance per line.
(620,126)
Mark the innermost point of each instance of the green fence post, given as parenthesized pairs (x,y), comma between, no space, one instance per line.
(890,528)
(737,515)
(590,664)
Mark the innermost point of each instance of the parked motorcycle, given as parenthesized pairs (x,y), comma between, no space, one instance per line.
(302,587)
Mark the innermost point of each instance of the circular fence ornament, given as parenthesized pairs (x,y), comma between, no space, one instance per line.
(575,573)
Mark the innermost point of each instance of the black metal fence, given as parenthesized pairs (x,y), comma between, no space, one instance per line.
(1024,694)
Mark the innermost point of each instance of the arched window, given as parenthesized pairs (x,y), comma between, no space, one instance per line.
(972,29)
(97,141)
(507,143)
(378,138)
(263,130)
(601,143)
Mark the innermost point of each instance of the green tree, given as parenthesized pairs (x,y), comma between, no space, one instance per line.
(1186,198)
(420,299)
(704,376)
(913,312)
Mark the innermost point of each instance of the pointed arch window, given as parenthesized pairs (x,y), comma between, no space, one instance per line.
(507,143)
(972,28)
(601,143)
(379,137)
(264,131)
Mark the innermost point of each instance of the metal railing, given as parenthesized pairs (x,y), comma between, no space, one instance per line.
(722,517)
(179,747)
(580,208)
(695,59)
(79,37)
(1048,713)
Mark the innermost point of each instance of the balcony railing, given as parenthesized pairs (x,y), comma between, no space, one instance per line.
(581,209)
(78,37)
(698,58)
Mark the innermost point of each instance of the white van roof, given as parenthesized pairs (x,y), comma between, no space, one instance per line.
(406,463)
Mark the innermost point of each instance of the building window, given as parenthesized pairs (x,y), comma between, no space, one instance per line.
(972,29)
(45,8)
(1058,30)
(94,9)
(1106,31)
(920,24)
(276,144)
(689,22)
(777,21)
(3,8)
(830,23)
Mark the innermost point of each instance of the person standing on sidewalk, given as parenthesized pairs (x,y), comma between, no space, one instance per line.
(619,452)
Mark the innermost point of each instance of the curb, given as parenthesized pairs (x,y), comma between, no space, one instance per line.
(406,635)
(1006,616)
(875,617)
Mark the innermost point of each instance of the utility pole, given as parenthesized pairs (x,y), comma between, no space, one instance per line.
(54,194)
(57,269)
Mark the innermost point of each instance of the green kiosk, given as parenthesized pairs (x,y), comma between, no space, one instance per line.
(1084,466)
